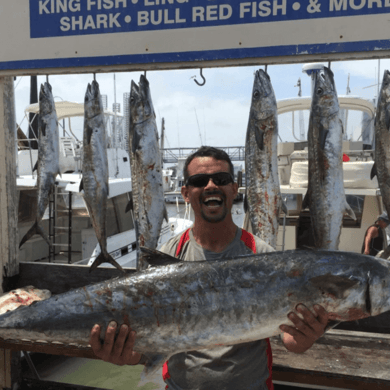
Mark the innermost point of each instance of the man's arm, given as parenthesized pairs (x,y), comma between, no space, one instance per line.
(371,234)
(117,351)
(300,338)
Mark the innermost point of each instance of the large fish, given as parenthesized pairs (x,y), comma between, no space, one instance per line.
(146,170)
(325,195)
(177,306)
(48,165)
(381,167)
(95,170)
(263,199)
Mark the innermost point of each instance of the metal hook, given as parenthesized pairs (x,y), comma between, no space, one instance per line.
(47,78)
(94,77)
(329,65)
(266,69)
(201,75)
(145,74)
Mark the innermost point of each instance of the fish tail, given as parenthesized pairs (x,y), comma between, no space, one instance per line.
(35,229)
(105,257)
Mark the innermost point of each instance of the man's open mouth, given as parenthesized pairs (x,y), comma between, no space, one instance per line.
(213,202)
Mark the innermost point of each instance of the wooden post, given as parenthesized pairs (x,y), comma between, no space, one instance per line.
(8,193)
(9,265)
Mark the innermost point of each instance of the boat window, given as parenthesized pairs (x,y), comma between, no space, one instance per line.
(356,203)
(118,220)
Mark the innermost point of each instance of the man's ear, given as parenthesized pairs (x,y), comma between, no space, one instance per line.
(185,194)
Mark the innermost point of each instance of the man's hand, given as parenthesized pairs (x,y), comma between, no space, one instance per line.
(119,351)
(300,338)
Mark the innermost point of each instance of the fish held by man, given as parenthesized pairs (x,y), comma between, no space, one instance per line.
(47,165)
(147,200)
(263,199)
(95,170)
(177,306)
(381,168)
(325,195)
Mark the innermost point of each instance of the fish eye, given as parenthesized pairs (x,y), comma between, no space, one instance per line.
(256,94)
(319,91)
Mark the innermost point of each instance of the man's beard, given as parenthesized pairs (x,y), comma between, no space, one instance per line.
(216,218)
(219,217)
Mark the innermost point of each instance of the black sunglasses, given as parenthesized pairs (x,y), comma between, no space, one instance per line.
(202,179)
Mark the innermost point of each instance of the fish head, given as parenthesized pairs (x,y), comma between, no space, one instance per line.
(378,291)
(263,96)
(325,101)
(93,105)
(141,106)
(46,100)
(385,89)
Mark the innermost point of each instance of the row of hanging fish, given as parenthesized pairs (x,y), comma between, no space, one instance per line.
(146,171)
(325,194)
(381,168)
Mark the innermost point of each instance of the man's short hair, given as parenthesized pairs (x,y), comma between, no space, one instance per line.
(207,151)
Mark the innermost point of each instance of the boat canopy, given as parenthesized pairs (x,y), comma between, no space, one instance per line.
(347,102)
(66,109)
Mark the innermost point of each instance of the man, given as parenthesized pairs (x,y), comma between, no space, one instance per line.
(375,236)
(210,189)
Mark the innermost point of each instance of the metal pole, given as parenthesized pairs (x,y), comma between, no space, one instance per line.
(70,229)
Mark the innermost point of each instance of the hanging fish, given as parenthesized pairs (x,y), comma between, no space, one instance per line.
(48,164)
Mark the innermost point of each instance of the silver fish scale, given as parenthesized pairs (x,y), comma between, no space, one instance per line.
(197,305)
(382,141)
(95,165)
(48,148)
(146,169)
(261,164)
(326,186)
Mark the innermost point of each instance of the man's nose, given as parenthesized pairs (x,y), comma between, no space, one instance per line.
(211,184)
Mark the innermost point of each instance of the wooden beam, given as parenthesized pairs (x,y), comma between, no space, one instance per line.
(59,278)
(8,193)
(5,368)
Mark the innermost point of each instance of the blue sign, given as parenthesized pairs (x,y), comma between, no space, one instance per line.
(60,18)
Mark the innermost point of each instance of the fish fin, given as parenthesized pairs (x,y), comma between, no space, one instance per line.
(35,229)
(152,370)
(334,285)
(373,171)
(349,211)
(156,258)
(331,325)
(35,166)
(387,119)
(130,205)
(306,200)
(81,185)
(259,136)
(283,206)
(323,136)
(43,129)
(245,203)
(166,214)
(105,258)
(89,132)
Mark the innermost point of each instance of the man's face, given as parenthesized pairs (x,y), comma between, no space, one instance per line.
(213,203)
(382,224)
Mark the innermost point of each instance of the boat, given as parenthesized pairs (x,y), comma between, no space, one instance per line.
(362,193)
(67,219)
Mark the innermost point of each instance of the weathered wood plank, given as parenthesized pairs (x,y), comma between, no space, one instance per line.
(5,368)
(50,349)
(356,365)
(8,193)
(59,278)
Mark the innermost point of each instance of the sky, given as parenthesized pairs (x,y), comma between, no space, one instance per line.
(217,113)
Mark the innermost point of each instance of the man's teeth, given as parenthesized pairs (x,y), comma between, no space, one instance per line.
(213,201)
